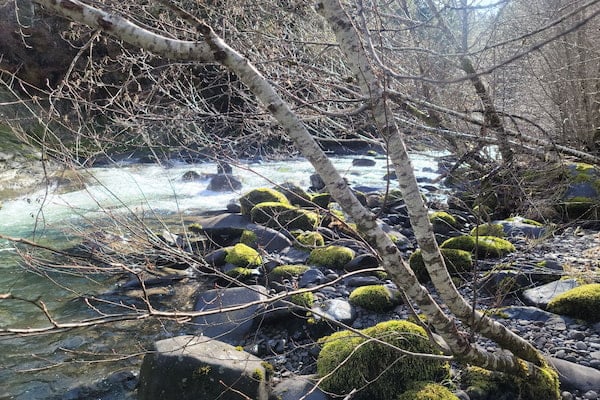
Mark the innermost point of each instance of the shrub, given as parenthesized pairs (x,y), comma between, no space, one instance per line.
(427,391)
(277,215)
(486,246)
(331,256)
(242,256)
(260,195)
(581,302)
(349,361)
(376,298)
(457,262)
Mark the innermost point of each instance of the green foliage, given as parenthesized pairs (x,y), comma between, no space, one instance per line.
(331,256)
(243,256)
(376,298)
(581,302)
(305,299)
(427,391)
(310,239)
(349,361)
(486,246)
(287,271)
(480,383)
(488,230)
(277,215)
(260,195)
(457,262)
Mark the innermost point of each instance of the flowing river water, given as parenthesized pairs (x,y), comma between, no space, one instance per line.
(50,366)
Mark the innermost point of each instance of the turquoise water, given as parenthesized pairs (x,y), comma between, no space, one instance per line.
(43,366)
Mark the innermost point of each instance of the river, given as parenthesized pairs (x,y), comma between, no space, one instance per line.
(53,366)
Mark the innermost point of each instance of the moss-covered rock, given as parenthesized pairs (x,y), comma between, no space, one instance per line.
(277,215)
(442,221)
(305,299)
(331,256)
(484,246)
(376,298)
(309,239)
(349,361)
(295,194)
(241,273)
(488,230)
(243,256)
(260,195)
(457,262)
(287,272)
(249,238)
(322,200)
(582,302)
(427,391)
(480,383)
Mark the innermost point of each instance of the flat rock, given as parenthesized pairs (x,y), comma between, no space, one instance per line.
(230,326)
(191,367)
(573,376)
(540,296)
(299,387)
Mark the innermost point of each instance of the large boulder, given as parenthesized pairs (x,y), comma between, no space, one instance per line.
(224,183)
(542,295)
(191,367)
(229,326)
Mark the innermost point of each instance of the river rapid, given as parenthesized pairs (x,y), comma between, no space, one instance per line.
(56,366)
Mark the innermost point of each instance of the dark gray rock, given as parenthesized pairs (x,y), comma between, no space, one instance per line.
(316,183)
(311,277)
(224,183)
(516,227)
(191,176)
(362,261)
(299,387)
(230,326)
(191,367)
(541,296)
(363,162)
(574,376)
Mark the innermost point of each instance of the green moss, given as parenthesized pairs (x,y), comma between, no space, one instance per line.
(349,361)
(248,238)
(488,230)
(376,298)
(260,195)
(196,228)
(583,167)
(427,391)
(578,207)
(258,374)
(481,383)
(457,262)
(310,239)
(442,217)
(371,153)
(295,194)
(486,246)
(243,256)
(305,299)
(240,273)
(287,272)
(331,256)
(277,215)
(322,200)
(581,302)
(525,221)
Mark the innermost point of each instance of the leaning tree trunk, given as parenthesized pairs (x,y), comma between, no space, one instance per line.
(214,49)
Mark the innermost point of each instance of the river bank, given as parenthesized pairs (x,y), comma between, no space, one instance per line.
(291,347)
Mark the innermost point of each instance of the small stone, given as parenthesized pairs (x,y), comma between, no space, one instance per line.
(581,345)
(567,396)
(590,395)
